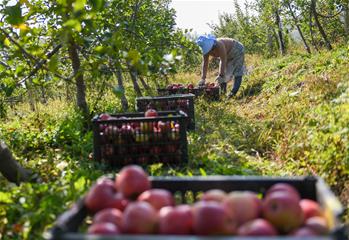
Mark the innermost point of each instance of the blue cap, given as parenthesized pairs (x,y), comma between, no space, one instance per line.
(206,42)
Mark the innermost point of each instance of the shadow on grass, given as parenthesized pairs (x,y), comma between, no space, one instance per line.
(251,91)
(225,143)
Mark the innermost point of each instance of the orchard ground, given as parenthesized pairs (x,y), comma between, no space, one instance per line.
(290,117)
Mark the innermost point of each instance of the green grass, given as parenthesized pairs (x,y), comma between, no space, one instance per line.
(290,117)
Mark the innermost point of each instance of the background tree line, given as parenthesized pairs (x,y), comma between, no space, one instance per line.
(272,27)
(81,49)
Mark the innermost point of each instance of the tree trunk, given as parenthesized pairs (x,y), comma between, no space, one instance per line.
(280,35)
(312,32)
(346,19)
(306,46)
(318,24)
(133,75)
(124,102)
(144,84)
(79,78)
(270,42)
(43,95)
(30,96)
(10,168)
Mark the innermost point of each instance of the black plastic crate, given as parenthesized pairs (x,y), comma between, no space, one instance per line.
(185,189)
(212,93)
(131,138)
(178,102)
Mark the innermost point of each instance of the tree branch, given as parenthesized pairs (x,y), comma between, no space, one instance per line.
(39,64)
(18,45)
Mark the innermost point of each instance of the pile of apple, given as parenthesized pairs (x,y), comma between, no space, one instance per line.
(140,141)
(129,205)
(164,105)
(176,86)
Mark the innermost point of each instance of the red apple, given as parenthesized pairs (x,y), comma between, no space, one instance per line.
(104,116)
(132,181)
(176,220)
(139,218)
(162,126)
(284,187)
(210,218)
(156,150)
(283,211)
(257,227)
(190,86)
(104,228)
(151,113)
(143,159)
(317,224)
(303,232)
(310,208)
(111,215)
(216,195)
(158,198)
(242,206)
(104,195)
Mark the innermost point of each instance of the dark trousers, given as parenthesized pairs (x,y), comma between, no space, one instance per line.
(236,86)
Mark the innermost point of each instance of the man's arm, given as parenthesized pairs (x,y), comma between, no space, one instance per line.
(204,66)
(223,58)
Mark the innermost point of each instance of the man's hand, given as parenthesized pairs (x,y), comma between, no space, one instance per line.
(220,79)
(201,82)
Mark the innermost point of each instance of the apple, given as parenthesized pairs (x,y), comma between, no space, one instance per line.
(190,86)
(104,228)
(143,159)
(174,134)
(176,220)
(317,224)
(242,206)
(283,211)
(284,187)
(111,215)
(151,113)
(132,181)
(171,148)
(104,116)
(310,208)
(162,126)
(141,137)
(216,195)
(108,150)
(257,227)
(210,218)
(303,232)
(146,126)
(158,198)
(140,218)
(104,195)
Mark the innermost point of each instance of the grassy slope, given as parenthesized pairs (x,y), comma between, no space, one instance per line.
(290,117)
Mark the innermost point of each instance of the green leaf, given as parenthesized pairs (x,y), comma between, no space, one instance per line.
(79,5)
(203,172)
(14,14)
(133,56)
(53,63)
(5,197)
(97,4)
(118,91)
(73,23)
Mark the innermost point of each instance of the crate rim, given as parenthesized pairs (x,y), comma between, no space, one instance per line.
(186,95)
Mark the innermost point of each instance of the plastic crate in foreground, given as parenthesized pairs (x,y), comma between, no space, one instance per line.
(185,189)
